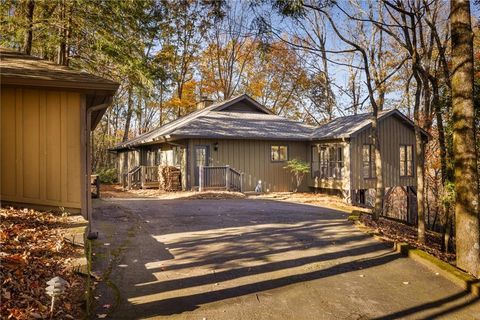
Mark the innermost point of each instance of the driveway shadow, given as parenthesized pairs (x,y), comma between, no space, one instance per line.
(186,255)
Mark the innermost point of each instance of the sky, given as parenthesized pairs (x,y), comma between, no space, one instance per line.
(340,73)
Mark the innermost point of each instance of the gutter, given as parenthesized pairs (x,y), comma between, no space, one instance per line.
(88,132)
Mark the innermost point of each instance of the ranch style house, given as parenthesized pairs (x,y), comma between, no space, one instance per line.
(243,142)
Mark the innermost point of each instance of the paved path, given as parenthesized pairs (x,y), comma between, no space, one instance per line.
(256,259)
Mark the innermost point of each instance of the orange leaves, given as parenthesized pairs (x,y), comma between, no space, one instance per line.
(15,259)
(274,77)
(33,251)
(188,99)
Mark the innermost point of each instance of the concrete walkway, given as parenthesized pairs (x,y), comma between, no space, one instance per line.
(256,259)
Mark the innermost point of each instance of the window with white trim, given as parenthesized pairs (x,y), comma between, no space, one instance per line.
(328,162)
(406,161)
(368,160)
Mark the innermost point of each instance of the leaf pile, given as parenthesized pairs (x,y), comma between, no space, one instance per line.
(116,191)
(399,232)
(34,251)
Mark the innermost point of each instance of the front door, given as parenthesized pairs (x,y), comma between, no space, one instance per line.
(201,159)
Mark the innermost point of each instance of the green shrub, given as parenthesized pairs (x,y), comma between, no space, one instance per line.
(299,169)
(107,175)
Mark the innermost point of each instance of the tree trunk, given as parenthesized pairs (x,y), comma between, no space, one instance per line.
(128,118)
(379,188)
(445,172)
(419,154)
(420,184)
(466,183)
(27,42)
(62,33)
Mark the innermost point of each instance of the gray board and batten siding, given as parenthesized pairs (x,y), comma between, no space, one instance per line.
(395,133)
(240,133)
(253,158)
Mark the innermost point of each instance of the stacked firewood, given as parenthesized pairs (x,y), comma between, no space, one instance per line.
(170,178)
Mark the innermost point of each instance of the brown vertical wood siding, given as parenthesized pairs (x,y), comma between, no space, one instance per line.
(393,133)
(253,158)
(41,147)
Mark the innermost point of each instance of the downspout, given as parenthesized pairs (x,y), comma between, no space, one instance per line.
(88,128)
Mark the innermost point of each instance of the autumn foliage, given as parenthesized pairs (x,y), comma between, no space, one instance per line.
(33,252)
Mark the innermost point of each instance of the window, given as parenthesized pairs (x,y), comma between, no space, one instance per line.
(406,161)
(279,153)
(329,162)
(315,162)
(368,158)
(335,164)
(323,162)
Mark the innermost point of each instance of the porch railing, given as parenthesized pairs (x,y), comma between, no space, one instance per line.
(220,178)
(132,179)
(141,177)
(149,177)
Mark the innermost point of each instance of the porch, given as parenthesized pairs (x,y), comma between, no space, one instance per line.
(209,178)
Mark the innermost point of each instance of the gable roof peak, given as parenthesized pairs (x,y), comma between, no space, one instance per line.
(241,97)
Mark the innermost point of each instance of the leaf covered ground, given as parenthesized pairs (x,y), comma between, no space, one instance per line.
(395,231)
(116,191)
(33,251)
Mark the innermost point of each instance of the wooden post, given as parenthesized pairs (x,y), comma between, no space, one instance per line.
(97,184)
(142,176)
(227,178)
(159,173)
(241,182)
(200,178)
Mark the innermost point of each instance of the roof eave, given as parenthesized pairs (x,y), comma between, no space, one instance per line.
(97,87)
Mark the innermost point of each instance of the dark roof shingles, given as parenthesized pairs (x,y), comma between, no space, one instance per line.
(17,67)
(244,125)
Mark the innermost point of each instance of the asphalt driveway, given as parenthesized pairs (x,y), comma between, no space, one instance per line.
(256,259)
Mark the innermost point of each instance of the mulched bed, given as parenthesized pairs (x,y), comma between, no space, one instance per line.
(33,251)
(316,199)
(399,232)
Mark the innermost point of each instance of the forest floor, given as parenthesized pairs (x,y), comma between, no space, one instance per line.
(34,250)
(116,191)
(399,232)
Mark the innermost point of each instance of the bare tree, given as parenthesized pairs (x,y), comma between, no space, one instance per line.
(379,187)
(231,46)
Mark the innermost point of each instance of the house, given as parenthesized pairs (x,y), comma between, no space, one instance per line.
(47,114)
(248,138)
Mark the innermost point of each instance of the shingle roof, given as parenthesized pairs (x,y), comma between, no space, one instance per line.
(212,122)
(18,68)
(344,127)
(155,134)
(218,124)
